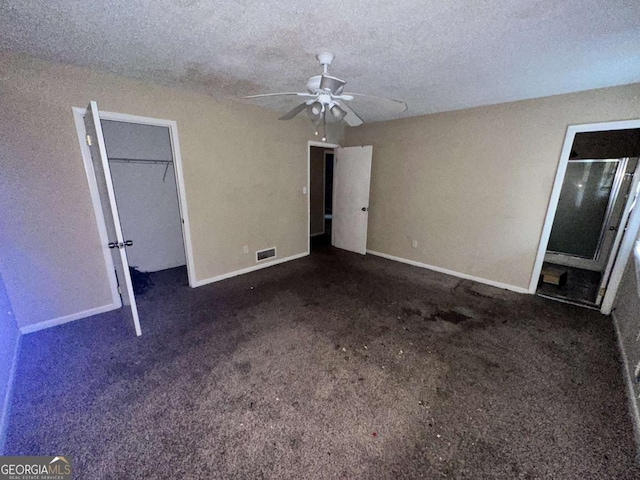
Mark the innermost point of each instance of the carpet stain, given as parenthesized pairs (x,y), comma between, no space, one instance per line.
(450,316)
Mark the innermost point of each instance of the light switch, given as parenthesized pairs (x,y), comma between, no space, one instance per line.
(304,190)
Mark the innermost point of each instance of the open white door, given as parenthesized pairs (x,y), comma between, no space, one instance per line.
(116,244)
(351,179)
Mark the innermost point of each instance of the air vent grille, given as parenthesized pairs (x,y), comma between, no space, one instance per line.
(265,254)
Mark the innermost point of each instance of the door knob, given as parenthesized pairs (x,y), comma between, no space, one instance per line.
(127,243)
(364,209)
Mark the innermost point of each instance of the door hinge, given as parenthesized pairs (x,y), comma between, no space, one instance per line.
(89,141)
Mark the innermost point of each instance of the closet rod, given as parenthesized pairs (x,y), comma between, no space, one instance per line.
(139,160)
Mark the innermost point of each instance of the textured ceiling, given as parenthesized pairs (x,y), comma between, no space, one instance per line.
(436,56)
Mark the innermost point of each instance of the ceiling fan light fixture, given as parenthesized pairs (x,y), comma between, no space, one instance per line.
(316,108)
(337,112)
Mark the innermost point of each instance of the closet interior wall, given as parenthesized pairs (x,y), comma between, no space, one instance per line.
(141,162)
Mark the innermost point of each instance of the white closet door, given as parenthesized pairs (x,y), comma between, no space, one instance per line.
(117,243)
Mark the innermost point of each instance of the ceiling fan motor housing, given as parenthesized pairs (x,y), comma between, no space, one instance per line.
(313,85)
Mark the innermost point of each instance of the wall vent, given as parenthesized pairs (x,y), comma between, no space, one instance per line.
(265,254)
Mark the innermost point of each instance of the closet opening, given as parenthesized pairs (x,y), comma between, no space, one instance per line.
(142,171)
(134,172)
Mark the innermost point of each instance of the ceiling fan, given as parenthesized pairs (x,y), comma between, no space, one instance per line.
(326,100)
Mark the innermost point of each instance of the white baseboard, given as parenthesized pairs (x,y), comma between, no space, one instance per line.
(634,409)
(6,410)
(66,319)
(224,276)
(504,286)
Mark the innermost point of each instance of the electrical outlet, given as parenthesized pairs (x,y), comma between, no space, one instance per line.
(414,244)
(246,249)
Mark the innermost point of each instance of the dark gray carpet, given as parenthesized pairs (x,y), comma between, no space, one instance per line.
(333,366)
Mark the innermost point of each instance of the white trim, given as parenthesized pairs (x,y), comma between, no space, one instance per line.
(224,276)
(78,117)
(6,410)
(625,251)
(632,197)
(465,276)
(572,130)
(177,164)
(629,381)
(636,254)
(310,144)
(66,319)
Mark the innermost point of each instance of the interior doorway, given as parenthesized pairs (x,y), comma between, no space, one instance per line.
(596,197)
(134,172)
(320,195)
(339,183)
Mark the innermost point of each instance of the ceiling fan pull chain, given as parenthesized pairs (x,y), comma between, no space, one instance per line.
(324,125)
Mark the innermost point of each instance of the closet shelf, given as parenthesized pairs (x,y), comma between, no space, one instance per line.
(143,160)
(139,160)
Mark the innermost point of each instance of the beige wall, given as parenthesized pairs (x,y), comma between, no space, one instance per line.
(472,186)
(316,190)
(243,171)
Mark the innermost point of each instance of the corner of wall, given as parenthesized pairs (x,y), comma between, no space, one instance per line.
(5,403)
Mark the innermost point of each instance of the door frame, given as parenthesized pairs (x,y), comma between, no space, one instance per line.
(78,114)
(626,245)
(310,144)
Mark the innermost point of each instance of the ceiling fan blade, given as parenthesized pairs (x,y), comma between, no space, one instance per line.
(293,112)
(351,118)
(280,94)
(333,84)
(396,106)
